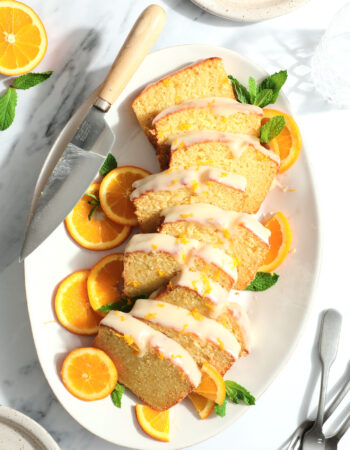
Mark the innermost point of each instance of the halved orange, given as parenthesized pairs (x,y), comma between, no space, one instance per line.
(23,39)
(155,423)
(212,385)
(115,191)
(103,281)
(203,405)
(280,242)
(98,233)
(72,305)
(288,143)
(89,374)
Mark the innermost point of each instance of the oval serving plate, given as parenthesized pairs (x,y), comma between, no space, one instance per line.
(278,315)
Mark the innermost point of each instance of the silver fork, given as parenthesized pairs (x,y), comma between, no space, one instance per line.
(295,440)
(332,441)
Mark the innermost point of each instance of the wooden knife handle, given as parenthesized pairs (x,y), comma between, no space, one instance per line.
(140,40)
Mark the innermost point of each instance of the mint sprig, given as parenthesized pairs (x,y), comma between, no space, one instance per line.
(109,164)
(264,94)
(272,128)
(236,393)
(221,409)
(8,100)
(263,281)
(117,395)
(124,304)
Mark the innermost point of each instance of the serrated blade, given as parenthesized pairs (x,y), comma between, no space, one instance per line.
(65,176)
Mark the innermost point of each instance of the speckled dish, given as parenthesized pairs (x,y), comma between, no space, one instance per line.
(18,431)
(249,10)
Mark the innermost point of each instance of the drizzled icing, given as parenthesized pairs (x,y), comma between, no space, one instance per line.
(242,320)
(223,106)
(204,286)
(195,178)
(187,322)
(237,143)
(183,250)
(145,337)
(211,215)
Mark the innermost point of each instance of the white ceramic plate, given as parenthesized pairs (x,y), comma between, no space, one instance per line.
(18,431)
(249,10)
(278,315)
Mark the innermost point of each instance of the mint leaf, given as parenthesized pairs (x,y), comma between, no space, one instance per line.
(263,281)
(117,395)
(123,305)
(30,79)
(274,82)
(221,409)
(236,393)
(109,164)
(252,90)
(263,97)
(8,103)
(272,128)
(240,91)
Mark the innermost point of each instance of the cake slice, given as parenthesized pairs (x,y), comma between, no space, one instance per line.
(205,339)
(154,367)
(239,234)
(204,78)
(194,291)
(234,153)
(151,260)
(185,186)
(212,113)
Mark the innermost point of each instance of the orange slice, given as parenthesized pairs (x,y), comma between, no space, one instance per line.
(103,281)
(280,242)
(23,39)
(99,233)
(115,190)
(89,374)
(203,405)
(288,143)
(72,305)
(154,423)
(212,385)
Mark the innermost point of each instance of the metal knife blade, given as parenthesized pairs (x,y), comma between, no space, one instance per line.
(65,176)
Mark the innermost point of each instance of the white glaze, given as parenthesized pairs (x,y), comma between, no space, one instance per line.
(237,143)
(194,178)
(242,320)
(211,215)
(181,320)
(183,250)
(146,337)
(223,106)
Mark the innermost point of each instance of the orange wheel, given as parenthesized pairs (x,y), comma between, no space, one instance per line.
(98,232)
(104,281)
(115,191)
(288,143)
(23,39)
(280,242)
(72,305)
(89,374)
(212,385)
(203,405)
(155,423)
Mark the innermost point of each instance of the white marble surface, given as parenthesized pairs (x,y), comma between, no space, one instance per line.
(83,39)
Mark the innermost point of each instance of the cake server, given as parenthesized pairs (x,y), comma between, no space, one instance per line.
(74,160)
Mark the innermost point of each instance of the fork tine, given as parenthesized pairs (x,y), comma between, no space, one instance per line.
(296,438)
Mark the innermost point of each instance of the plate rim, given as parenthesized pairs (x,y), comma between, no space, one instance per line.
(313,285)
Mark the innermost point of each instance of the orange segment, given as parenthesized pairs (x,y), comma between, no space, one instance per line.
(280,242)
(288,143)
(23,39)
(104,281)
(99,233)
(115,190)
(72,305)
(203,405)
(212,385)
(154,423)
(89,374)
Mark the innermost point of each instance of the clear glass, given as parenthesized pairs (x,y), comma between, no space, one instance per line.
(330,64)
